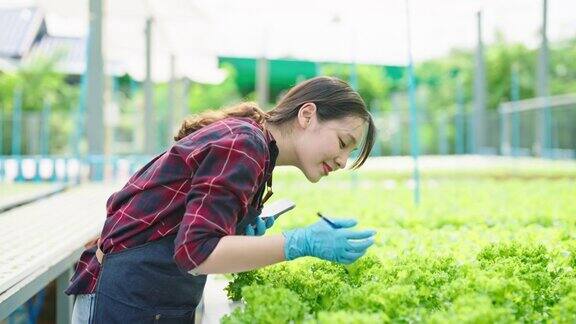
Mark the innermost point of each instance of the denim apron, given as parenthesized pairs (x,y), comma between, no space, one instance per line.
(255,208)
(143,284)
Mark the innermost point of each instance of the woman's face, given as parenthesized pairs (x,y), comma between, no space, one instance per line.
(323,147)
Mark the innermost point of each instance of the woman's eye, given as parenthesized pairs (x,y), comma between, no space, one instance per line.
(342,144)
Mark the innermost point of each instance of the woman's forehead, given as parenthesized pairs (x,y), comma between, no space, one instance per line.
(354,125)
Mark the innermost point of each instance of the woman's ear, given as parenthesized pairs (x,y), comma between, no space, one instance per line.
(307,114)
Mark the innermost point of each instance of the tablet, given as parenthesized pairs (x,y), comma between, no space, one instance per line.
(277,208)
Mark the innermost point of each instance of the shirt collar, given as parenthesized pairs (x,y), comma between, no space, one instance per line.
(273,156)
(272,148)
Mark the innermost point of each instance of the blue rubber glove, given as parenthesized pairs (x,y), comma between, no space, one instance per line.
(260,228)
(320,240)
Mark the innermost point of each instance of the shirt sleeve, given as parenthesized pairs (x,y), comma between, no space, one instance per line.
(228,172)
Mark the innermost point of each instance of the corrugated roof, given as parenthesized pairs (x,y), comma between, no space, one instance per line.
(19,27)
(7,65)
(24,38)
(70,52)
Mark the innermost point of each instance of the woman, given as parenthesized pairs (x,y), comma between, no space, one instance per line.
(193,210)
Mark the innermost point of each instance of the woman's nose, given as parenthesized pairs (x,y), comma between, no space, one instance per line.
(341,161)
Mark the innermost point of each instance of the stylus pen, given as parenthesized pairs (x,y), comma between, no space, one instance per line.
(328,221)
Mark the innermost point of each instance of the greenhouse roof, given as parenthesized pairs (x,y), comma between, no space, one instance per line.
(362,31)
(19,27)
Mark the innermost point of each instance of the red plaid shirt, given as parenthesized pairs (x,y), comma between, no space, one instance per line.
(199,189)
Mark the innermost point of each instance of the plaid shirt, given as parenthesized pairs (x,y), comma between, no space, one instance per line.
(199,189)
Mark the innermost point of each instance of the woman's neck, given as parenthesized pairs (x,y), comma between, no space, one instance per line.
(286,153)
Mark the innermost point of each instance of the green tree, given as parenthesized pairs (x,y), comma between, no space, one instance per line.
(38,80)
(563,67)
(373,85)
(207,96)
(500,57)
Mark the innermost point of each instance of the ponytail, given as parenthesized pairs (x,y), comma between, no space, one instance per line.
(245,109)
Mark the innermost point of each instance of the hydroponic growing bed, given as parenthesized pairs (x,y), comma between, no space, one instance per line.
(476,250)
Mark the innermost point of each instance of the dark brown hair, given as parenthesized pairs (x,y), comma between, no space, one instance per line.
(334,99)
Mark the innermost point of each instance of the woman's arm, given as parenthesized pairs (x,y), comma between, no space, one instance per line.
(235,253)
(336,242)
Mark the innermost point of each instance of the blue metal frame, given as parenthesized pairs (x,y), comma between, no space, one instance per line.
(17,130)
(414,133)
(459,120)
(515,116)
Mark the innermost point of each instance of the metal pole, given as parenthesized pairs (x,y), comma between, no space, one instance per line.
(79,121)
(149,121)
(354,75)
(515,115)
(133,88)
(171,101)
(479,90)
(397,117)
(317,69)
(354,85)
(186,86)
(17,131)
(504,124)
(137,117)
(176,110)
(95,92)
(17,123)
(63,302)
(79,111)
(262,77)
(459,115)
(469,116)
(442,134)
(262,72)
(377,151)
(543,144)
(1,130)
(113,114)
(76,136)
(45,134)
(414,143)
(1,142)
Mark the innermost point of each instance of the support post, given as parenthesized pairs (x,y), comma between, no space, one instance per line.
(1,142)
(262,80)
(171,101)
(17,132)
(515,115)
(397,118)
(45,133)
(543,124)
(414,133)
(459,120)
(64,303)
(95,92)
(149,122)
(479,91)
(443,134)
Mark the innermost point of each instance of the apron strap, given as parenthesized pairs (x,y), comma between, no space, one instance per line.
(99,253)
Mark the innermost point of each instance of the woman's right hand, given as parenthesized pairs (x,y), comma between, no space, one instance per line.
(260,227)
(321,240)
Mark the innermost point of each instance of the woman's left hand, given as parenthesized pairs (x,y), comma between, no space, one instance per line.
(261,226)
